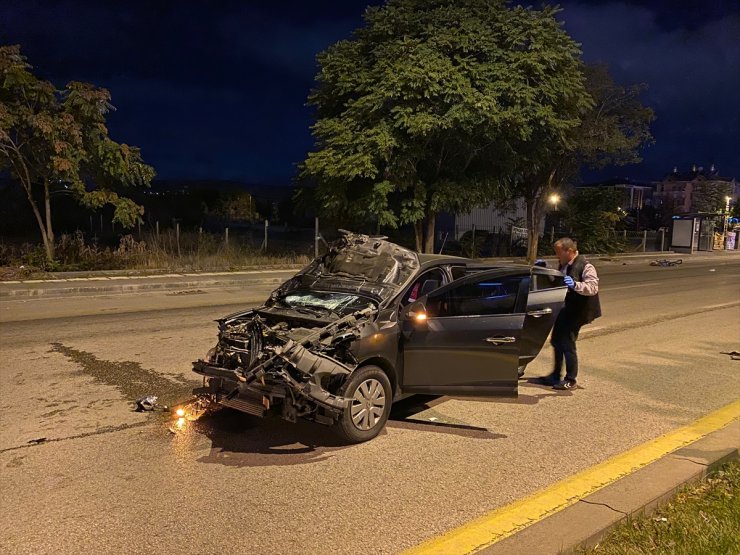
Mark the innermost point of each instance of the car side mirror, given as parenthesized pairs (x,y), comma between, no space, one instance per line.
(415,312)
(414,316)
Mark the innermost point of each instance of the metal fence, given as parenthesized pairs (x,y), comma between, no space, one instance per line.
(465,240)
(641,241)
(512,241)
(474,242)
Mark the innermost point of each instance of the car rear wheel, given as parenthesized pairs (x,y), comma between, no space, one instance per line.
(370,391)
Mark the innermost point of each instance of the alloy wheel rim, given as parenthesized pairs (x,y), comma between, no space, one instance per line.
(368,404)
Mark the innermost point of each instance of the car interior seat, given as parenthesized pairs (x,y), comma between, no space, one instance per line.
(429,286)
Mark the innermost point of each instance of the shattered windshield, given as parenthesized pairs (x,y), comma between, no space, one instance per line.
(328,302)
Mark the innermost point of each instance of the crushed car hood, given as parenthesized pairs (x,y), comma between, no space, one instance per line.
(358,263)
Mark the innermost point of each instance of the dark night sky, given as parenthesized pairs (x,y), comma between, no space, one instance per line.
(220,91)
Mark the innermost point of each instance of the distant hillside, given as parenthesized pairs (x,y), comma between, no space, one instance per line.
(273,192)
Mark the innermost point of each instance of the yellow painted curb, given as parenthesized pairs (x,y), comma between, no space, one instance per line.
(506,521)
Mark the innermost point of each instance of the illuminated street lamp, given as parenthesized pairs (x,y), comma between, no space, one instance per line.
(554,199)
(727,215)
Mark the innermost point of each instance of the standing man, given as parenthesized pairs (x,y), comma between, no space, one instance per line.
(582,307)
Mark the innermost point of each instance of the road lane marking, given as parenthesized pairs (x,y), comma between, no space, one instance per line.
(506,521)
(722,305)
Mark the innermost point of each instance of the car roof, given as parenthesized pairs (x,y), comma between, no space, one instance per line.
(427,260)
(510,266)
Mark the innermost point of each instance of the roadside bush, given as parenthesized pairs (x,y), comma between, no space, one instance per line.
(473,248)
(193,252)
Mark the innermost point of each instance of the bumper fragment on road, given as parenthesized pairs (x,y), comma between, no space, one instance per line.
(510,519)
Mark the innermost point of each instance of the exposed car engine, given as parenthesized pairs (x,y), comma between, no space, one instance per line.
(296,367)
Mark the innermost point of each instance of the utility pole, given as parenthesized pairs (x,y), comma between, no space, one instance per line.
(726,218)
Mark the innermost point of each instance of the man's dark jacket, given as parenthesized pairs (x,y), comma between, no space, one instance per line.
(580,309)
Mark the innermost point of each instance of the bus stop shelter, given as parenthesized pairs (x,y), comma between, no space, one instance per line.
(696,232)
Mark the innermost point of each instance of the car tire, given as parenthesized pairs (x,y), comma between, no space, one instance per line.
(372,396)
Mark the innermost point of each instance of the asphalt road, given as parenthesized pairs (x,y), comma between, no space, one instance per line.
(110,480)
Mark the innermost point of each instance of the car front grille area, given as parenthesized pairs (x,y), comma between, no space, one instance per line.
(235,342)
(244,404)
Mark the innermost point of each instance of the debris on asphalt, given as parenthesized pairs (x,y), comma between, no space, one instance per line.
(665,263)
(734,355)
(192,410)
(188,412)
(148,404)
(712,270)
(37,441)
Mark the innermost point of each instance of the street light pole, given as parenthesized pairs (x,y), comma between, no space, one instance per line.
(554,200)
(727,215)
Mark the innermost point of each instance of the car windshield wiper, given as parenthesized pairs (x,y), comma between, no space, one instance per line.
(305,309)
(318,310)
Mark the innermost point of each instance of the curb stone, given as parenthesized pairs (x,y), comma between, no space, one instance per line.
(130,287)
(586,522)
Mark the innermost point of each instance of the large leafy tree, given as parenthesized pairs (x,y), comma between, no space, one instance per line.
(710,195)
(432,104)
(612,130)
(50,137)
(592,215)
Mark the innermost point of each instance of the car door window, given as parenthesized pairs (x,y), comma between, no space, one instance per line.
(424,284)
(546,281)
(483,297)
(458,271)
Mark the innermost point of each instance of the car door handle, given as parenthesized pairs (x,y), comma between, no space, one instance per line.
(499,340)
(540,313)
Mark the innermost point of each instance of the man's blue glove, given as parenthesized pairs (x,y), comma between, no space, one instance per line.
(541,263)
(570,282)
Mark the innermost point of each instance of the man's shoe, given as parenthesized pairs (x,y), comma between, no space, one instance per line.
(565,385)
(546,380)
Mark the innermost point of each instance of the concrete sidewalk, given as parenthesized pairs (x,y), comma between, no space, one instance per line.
(586,522)
(100,284)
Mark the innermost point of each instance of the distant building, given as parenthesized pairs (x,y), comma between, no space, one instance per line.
(635,195)
(493,218)
(684,192)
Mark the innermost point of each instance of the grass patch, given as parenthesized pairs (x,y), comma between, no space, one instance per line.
(188,252)
(701,519)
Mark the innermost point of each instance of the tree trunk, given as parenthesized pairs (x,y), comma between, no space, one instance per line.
(49,242)
(429,236)
(533,236)
(418,234)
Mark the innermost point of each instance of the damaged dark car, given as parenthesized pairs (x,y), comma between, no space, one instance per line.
(371,322)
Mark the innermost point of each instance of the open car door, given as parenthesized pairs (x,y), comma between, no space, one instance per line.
(546,298)
(464,338)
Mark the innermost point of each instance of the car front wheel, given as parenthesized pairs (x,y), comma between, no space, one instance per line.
(370,392)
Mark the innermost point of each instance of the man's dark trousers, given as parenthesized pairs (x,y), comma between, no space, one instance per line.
(564,336)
